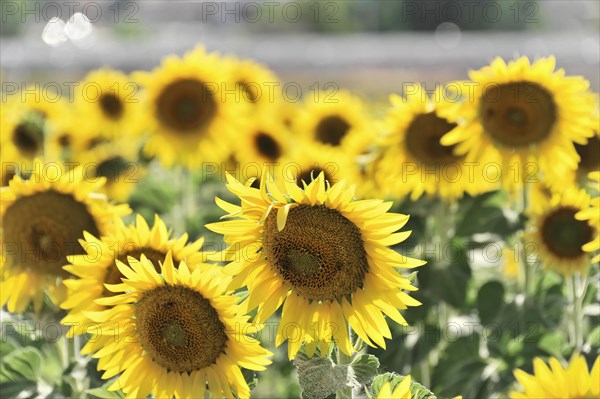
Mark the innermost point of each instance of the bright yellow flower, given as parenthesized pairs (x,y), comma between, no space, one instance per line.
(573,382)
(402,390)
(185,335)
(96,266)
(188,121)
(592,215)
(320,254)
(42,219)
(524,117)
(558,235)
(414,161)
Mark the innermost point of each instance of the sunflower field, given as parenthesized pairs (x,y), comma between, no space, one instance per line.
(191,230)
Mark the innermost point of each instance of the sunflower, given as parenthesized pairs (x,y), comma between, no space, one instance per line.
(524,117)
(108,99)
(589,154)
(264,140)
(96,266)
(573,382)
(592,215)
(256,83)
(25,119)
(305,160)
(116,162)
(187,335)
(559,235)
(190,118)
(42,218)
(413,159)
(401,391)
(336,119)
(323,254)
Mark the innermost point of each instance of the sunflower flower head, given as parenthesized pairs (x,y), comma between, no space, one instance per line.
(96,266)
(322,255)
(189,335)
(524,116)
(560,235)
(42,219)
(573,382)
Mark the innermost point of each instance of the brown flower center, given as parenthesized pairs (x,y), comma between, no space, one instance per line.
(180,329)
(112,168)
(44,228)
(518,114)
(28,137)
(111,106)
(423,139)
(186,105)
(267,146)
(590,154)
(564,235)
(248,92)
(332,130)
(319,253)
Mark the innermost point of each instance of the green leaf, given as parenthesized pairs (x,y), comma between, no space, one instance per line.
(103,392)
(320,377)
(490,300)
(593,338)
(364,368)
(417,391)
(22,364)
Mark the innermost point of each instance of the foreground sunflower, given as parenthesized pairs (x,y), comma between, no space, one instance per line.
(42,219)
(573,382)
(401,391)
(322,255)
(188,114)
(96,266)
(414,161)
(186,335)
(559,235)
(523,116)
(592,216)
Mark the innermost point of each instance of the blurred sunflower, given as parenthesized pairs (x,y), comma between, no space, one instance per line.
(323,254)
(592,216)
(263,140)
(96,266)
(115,161)
(559,235)
(188,336)
(305,160)
(336,119)
(188,118)
(413,159)
(25,119)
(42,219)
(108,100)
(524,117)
(575,381)
(589,154)
(401,391)
(256,83)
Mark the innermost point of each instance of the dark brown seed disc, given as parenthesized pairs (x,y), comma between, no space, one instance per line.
(186,105)
(564,235)
(319,253)
(332,130)
(423,139)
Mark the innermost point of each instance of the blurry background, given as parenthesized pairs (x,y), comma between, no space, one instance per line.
(369,46)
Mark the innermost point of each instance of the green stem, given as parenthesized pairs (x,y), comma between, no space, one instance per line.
(528,271)
(577,292)
(343,359)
